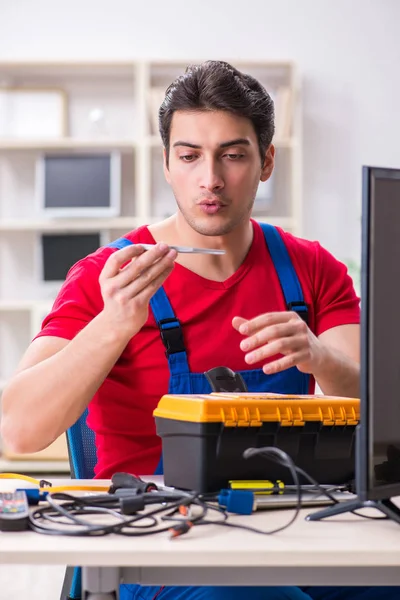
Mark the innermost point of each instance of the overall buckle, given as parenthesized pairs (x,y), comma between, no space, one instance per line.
(171,336)
(300,308)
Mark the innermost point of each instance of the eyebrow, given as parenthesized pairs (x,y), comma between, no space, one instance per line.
(236,142)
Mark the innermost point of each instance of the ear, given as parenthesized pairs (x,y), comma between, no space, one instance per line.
(165,167)
(269,163)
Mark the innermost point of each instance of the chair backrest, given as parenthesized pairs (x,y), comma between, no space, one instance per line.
(81,449)
(82,460)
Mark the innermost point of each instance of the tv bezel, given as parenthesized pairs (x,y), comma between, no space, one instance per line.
(366,490)
(52,287)
(114,208)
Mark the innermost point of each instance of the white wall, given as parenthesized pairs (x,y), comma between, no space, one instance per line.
(347,52)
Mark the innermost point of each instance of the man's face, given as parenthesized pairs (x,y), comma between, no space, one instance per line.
(214,169)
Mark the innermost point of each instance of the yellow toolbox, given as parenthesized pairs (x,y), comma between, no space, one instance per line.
(204,437)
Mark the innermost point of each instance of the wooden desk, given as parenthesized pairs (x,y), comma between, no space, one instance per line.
(343,550)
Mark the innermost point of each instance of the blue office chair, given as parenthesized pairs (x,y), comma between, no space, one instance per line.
(81,449)
(82,460)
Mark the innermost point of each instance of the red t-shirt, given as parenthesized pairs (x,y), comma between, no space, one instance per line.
(121,412)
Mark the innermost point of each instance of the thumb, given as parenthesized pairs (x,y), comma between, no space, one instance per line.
(238,321)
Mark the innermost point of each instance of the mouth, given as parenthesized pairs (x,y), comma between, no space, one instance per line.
(210,206)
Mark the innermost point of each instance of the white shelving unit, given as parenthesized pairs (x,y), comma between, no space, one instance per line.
(125,93)
(67,225)
(34,466)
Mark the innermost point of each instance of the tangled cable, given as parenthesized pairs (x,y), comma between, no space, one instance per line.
(125,511)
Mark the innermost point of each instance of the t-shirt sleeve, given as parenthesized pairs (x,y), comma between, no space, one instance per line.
(78,302)
(335,300)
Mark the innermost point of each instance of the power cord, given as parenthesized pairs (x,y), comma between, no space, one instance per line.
(68,513)
(65,514)
(277,455)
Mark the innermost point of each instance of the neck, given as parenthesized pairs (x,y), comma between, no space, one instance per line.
(236,244)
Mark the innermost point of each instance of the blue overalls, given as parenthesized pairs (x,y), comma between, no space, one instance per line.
(182,381)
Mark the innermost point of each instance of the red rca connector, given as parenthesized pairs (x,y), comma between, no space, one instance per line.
(180,529)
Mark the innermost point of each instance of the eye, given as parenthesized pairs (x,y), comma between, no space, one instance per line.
(234,156)
(187,157)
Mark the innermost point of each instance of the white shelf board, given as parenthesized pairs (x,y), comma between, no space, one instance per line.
(70,224)
(67,144)
(51,68)
(153,141)
(284,142)
(23,305)
(33,466)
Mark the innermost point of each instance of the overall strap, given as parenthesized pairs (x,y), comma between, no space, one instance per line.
(120,243)
(171,333)
(170,328)
(287,275)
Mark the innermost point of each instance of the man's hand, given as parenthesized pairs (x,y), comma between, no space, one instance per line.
(128,280)
(279,333)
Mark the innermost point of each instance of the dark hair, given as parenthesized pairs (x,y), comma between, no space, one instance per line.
(216,85)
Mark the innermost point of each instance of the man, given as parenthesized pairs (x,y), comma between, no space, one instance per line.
(105,341)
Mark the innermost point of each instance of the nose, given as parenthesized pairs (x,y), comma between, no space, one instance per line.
(211,179)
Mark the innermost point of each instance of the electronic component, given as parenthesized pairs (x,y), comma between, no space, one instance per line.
(14,511)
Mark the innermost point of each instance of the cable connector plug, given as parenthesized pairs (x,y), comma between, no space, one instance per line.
(126,480)
(45,483)
(131,504)
(240,502)
(180,529)
(33,495)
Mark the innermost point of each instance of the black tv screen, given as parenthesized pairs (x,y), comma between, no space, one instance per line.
(379,452)
(79,184)
(61,251)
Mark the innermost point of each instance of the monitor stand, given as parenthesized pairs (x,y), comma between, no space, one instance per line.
(387,507)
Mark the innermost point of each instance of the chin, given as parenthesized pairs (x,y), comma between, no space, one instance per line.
(213,226)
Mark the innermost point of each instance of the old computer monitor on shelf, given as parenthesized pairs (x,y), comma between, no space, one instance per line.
(378,435)
(57,252)
(79,185)
(60,251)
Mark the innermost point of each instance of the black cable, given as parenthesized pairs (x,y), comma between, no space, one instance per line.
(69,511)
(279,456)
(334,500)
(193,519)
(324,491)
(129,525)
(74,506)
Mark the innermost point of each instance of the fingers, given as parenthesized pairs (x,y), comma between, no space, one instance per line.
(150,279)
(117,259)
(144,269)
(284,346)
(282,334)
(248,327)
(286,362)
(149,290)
(237,322)
(294,327)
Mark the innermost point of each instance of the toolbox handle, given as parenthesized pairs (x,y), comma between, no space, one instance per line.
(223,379)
